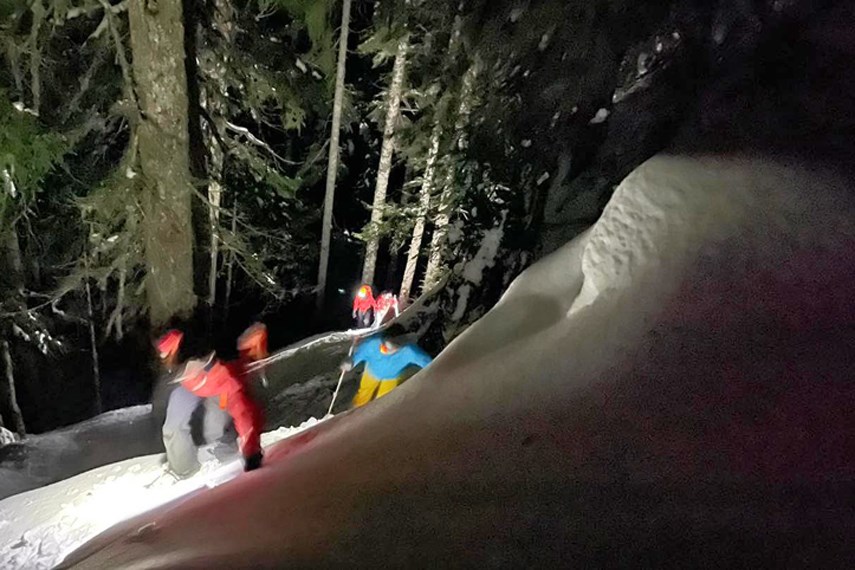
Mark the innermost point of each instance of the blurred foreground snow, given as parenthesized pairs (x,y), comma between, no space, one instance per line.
(38,528)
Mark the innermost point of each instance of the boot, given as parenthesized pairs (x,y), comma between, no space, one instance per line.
(252,462)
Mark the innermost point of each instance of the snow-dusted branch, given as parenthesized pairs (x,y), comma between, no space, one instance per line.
(243,131)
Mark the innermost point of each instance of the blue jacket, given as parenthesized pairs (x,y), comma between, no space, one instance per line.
(388,366)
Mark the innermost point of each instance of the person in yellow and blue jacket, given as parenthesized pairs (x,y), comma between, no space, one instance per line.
(387,356)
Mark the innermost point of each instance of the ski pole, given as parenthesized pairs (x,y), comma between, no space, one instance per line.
(340,378)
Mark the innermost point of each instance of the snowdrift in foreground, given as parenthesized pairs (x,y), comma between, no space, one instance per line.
(672,388)
(38,528)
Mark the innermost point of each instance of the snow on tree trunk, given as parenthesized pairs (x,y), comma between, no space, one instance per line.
(446,205)
(393,107)
(157,43)
(424,204)
(332,164)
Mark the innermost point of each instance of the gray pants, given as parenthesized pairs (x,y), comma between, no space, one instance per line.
(190,422)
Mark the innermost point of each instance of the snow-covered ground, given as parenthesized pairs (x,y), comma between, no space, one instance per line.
(38,528)
(92,475)
(7,437)
(45,458)
(301,379)
(673,388)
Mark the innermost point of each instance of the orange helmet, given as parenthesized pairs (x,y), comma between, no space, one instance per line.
(364,291)
(168,344)
(253,342)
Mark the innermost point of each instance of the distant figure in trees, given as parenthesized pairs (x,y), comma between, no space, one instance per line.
(383,306)
(190,419)
(364,306)
(387,355)
(228,382)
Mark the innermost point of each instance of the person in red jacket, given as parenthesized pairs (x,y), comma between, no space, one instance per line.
(228,382)
(384,305)
(185,419)
(364,306)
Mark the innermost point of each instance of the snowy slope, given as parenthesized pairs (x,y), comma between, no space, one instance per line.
(301,379)
(38,528)
(46,458)
(673,388)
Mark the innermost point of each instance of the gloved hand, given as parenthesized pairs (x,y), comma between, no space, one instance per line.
(347,365)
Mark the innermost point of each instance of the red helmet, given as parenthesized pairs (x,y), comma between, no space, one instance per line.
(168,344)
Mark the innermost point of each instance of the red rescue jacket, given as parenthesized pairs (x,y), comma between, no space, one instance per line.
(225,380)
(363,304)
(386,302)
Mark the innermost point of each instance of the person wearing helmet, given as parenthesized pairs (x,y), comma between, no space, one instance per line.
(252,352)
(189,419)
(387,357)
(363,306)
(228,383)
(168,346)
(383,306)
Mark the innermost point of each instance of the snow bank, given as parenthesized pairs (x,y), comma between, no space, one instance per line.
(672,387)
(38,528)
(7,437)
(46,458)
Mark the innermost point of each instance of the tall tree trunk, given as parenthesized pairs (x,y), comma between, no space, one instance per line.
(198,149)
(14,278)
(11,394)
(424,204)
(157,42)
(39,13)
(215,193)
(332,164)
(393,108)
(446,202)
(212,100)
(93,340)
(230,267)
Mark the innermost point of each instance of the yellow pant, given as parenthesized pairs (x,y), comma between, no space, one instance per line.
(370,388)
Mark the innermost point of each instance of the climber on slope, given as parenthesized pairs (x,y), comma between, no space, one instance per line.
(387,356)
(363,306)
(383,305)
(179,431)
(208,376)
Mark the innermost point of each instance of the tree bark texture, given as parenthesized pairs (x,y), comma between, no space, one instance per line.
(157,43)
(446,199)
(93,340)
(13,279)
(11,394)
(393,108)
(332,163)
(214,195)
(424,205)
